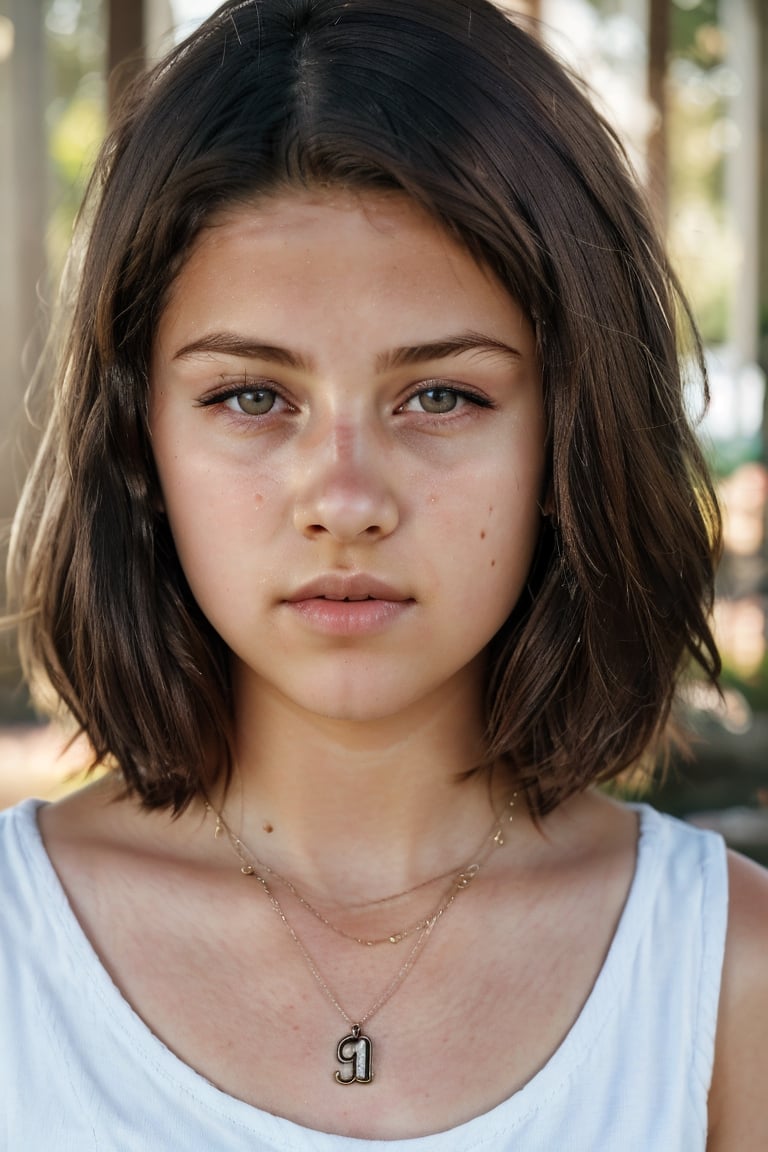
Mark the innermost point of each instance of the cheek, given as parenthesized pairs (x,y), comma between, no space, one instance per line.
(507,530)
(487,541)
(215,521)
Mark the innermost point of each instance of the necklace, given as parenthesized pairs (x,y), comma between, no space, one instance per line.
(251,865)
(355,1049)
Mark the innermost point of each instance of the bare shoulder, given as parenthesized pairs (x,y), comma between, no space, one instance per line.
(85,823)
(738,1101)
(101,841)
(102,817)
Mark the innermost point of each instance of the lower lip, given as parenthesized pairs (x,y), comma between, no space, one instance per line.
(349,617)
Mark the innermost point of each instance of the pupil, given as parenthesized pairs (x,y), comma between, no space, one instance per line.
(440,400)
(256,402)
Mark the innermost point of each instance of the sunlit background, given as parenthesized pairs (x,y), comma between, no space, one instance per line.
(683,81)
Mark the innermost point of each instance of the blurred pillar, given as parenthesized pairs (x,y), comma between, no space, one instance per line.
(740,19)
(762,238)
(531,8)
(158,28)
(29,171)
(23,220)
(125,45)
(658,52)
(9,324)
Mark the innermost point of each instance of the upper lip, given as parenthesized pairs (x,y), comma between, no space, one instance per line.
(336,586)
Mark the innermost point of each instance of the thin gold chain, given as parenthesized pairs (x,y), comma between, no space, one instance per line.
(251,865)
(460,883)
(397,979)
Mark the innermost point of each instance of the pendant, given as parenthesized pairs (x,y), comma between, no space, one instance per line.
(356,1050)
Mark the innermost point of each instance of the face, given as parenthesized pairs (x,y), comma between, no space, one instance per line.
(347,420)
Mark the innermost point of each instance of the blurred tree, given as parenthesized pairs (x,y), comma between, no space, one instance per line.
(658,54)
(700,82)
(76,117)
(52,101)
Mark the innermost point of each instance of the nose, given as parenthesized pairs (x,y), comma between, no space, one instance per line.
(344,488)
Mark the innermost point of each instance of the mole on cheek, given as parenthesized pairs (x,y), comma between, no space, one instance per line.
(493,563)
(482,535)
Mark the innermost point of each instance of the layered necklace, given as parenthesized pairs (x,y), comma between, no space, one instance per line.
(354,1050)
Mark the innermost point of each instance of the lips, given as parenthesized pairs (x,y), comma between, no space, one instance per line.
(348,599)
(342,605)
(352,589)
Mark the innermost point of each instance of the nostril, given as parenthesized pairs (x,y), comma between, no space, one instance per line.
(346,511)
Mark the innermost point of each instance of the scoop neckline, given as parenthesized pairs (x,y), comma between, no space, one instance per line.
(290,1136)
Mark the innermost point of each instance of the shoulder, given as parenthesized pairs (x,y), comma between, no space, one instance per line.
(738,1100)
(19,851)
(30,903)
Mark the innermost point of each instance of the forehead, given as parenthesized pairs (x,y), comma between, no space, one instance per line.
(319,221)
(333,250)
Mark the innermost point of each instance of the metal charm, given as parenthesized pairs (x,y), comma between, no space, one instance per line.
(357,1050)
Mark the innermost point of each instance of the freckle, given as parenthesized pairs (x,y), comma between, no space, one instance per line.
(267,826)
(482,535)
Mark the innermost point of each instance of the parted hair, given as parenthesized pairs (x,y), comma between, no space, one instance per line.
(456,106)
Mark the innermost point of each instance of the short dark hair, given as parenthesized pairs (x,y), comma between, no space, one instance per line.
(452,103)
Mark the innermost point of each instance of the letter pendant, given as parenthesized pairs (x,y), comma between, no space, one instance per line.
(357,1050)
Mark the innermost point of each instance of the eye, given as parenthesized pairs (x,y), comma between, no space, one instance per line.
(443,399)
(437,400)
(245,399)
(252,401)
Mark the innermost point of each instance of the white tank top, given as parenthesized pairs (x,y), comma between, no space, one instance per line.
(81,1072)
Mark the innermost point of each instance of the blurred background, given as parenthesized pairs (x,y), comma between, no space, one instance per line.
(685,82)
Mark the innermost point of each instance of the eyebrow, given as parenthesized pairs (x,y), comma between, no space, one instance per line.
(441,349)
(231,344)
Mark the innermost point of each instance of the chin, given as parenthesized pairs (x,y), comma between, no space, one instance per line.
(357,700)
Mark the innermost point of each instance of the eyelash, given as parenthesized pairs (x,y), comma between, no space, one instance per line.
(423,389)
(465,394)
(220,398)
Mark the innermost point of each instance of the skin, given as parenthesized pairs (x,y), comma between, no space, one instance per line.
(423,475)
(738,1106)
(303,455)
(388,455)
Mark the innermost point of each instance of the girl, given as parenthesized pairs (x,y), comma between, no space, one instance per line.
(368,534)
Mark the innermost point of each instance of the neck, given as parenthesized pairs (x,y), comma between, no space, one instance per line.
(359,809)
